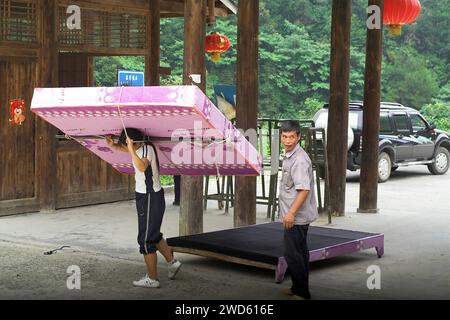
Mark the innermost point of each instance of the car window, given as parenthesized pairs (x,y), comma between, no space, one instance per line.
(385,123)
(418,124)
(401,122)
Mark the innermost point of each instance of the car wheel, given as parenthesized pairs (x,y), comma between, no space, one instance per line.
(384,167)
(441,161)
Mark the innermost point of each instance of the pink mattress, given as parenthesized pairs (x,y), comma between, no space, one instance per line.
(191,136)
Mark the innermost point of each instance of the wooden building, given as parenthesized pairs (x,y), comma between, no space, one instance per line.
(38,49)
(38,172)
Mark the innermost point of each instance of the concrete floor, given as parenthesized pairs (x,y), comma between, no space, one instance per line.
(414,216)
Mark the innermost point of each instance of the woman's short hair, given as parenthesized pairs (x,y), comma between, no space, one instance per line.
(133,133)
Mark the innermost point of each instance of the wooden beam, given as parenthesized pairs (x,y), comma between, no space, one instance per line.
(191,202)
(219,12)
(99,51)
(165,71)
(19,51)
(15,45)
(172,7)
(19,206)
(338,109)
(246,102)
(11,54)
(166,15)
(152,68)
(138,7)
(168,8)
(368,191)
(92,198)
(45,133)
(211,18)
(224,257)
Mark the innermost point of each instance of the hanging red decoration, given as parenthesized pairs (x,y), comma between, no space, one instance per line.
(216,43)
(400,12)
(16,112)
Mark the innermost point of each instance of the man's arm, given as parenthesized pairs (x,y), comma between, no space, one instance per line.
(289,218)
(300,173)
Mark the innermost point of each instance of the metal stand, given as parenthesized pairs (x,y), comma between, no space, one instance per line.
(313,141)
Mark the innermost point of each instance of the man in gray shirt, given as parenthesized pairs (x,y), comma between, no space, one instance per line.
(298,208)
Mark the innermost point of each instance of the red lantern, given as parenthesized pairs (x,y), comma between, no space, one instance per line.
(400,12)
(216,43)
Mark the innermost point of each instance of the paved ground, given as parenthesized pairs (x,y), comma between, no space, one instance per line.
(414,216)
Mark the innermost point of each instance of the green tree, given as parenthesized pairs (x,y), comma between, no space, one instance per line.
(294,57)
(106,68)
(443,95)
(439,114)
(105,74)
(407,78)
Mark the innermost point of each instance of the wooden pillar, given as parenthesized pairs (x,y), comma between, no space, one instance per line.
(338,108)
(90,71)
(246,102)
(211,16)
(191,200)
(45,133)
(153,44)
(368,192)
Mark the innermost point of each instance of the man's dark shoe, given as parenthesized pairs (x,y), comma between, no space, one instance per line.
(287,291)
(296,297)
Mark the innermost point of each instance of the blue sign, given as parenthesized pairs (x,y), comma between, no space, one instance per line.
(226,100)
(130,78)
(226,92)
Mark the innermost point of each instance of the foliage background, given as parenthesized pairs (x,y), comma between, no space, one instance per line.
(295,56)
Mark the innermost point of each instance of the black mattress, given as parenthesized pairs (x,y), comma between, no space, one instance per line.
(263,242)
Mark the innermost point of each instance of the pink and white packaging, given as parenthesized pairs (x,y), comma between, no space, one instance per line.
(191,136)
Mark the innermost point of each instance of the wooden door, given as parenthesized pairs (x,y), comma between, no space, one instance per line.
(82,177)
(18,191)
